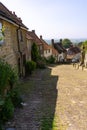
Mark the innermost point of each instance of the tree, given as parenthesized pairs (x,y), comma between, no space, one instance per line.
(84,44)
(66,43)
(34,52)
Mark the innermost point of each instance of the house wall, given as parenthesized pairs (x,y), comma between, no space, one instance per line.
(6,49)
(23,41)
(29,46)
(47,53)
(14,50)
(56,56)
(40,49)
(61,57)
(22,54)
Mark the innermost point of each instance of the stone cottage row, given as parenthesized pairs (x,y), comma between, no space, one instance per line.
(16,40)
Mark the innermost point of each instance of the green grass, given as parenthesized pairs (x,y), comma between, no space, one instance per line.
(50,124)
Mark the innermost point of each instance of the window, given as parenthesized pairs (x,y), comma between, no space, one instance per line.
(41,47)
(49,50)
(1,34)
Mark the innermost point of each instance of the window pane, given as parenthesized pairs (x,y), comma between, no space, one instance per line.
(1,35)
(0,26)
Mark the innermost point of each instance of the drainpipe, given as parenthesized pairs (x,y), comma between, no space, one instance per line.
(19,50)
(18,39)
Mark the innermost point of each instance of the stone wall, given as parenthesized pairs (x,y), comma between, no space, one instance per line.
(6,49)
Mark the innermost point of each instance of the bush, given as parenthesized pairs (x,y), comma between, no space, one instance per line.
(51,60)
(8,76)
(34,52)
(29,67)
(7,110)
(15,97)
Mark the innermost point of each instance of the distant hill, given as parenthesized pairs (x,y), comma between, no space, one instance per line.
(74,41)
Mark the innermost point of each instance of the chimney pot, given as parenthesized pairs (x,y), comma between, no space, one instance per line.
(20,19)
(52,42)
(33,31)
(14,13)
(60,41)
(41,37)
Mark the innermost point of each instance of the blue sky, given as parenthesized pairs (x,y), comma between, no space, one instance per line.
(52,18)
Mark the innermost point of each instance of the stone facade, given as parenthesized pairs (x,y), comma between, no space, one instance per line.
(29,45)
(37,41)
(6,49)
(13,47)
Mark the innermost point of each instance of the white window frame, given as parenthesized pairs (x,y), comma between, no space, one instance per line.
(1,34)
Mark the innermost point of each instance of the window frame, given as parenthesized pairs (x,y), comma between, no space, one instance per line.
(1,33)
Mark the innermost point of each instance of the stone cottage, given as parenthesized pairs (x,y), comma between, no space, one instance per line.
(37,41)
(48,50)
(61,50)
(13,42)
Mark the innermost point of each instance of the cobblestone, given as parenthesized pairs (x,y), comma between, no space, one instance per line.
(60,90)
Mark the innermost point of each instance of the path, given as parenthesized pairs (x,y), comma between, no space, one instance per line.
(55,97)
(72,97)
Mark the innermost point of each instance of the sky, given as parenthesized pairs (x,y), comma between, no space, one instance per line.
(52,18)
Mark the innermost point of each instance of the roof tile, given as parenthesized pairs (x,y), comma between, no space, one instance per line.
(4,12)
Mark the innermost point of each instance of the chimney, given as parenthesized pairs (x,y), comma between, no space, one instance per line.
(60,41)
(33,31)
(52,42)
(20,19)
(13,13)
(41,37)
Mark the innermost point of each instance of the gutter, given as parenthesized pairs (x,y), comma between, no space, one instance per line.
(12,22)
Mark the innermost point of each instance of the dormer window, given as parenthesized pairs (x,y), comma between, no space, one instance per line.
(1,34)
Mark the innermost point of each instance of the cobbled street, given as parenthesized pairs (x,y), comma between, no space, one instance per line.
(57,95)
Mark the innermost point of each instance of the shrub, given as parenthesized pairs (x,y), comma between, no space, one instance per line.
(34,52)
(51,60)
(29,67)
(1,105)
(16,98)
(7,110)
(8,76)
(9,98)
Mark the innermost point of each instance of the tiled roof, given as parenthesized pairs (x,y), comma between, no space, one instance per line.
(4,12)
(54,51)
(45,45)
(28,36)
(59,47)
(35,37)
(73,50)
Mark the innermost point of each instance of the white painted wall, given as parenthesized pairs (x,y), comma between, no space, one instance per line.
(61,57)
(47,53)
